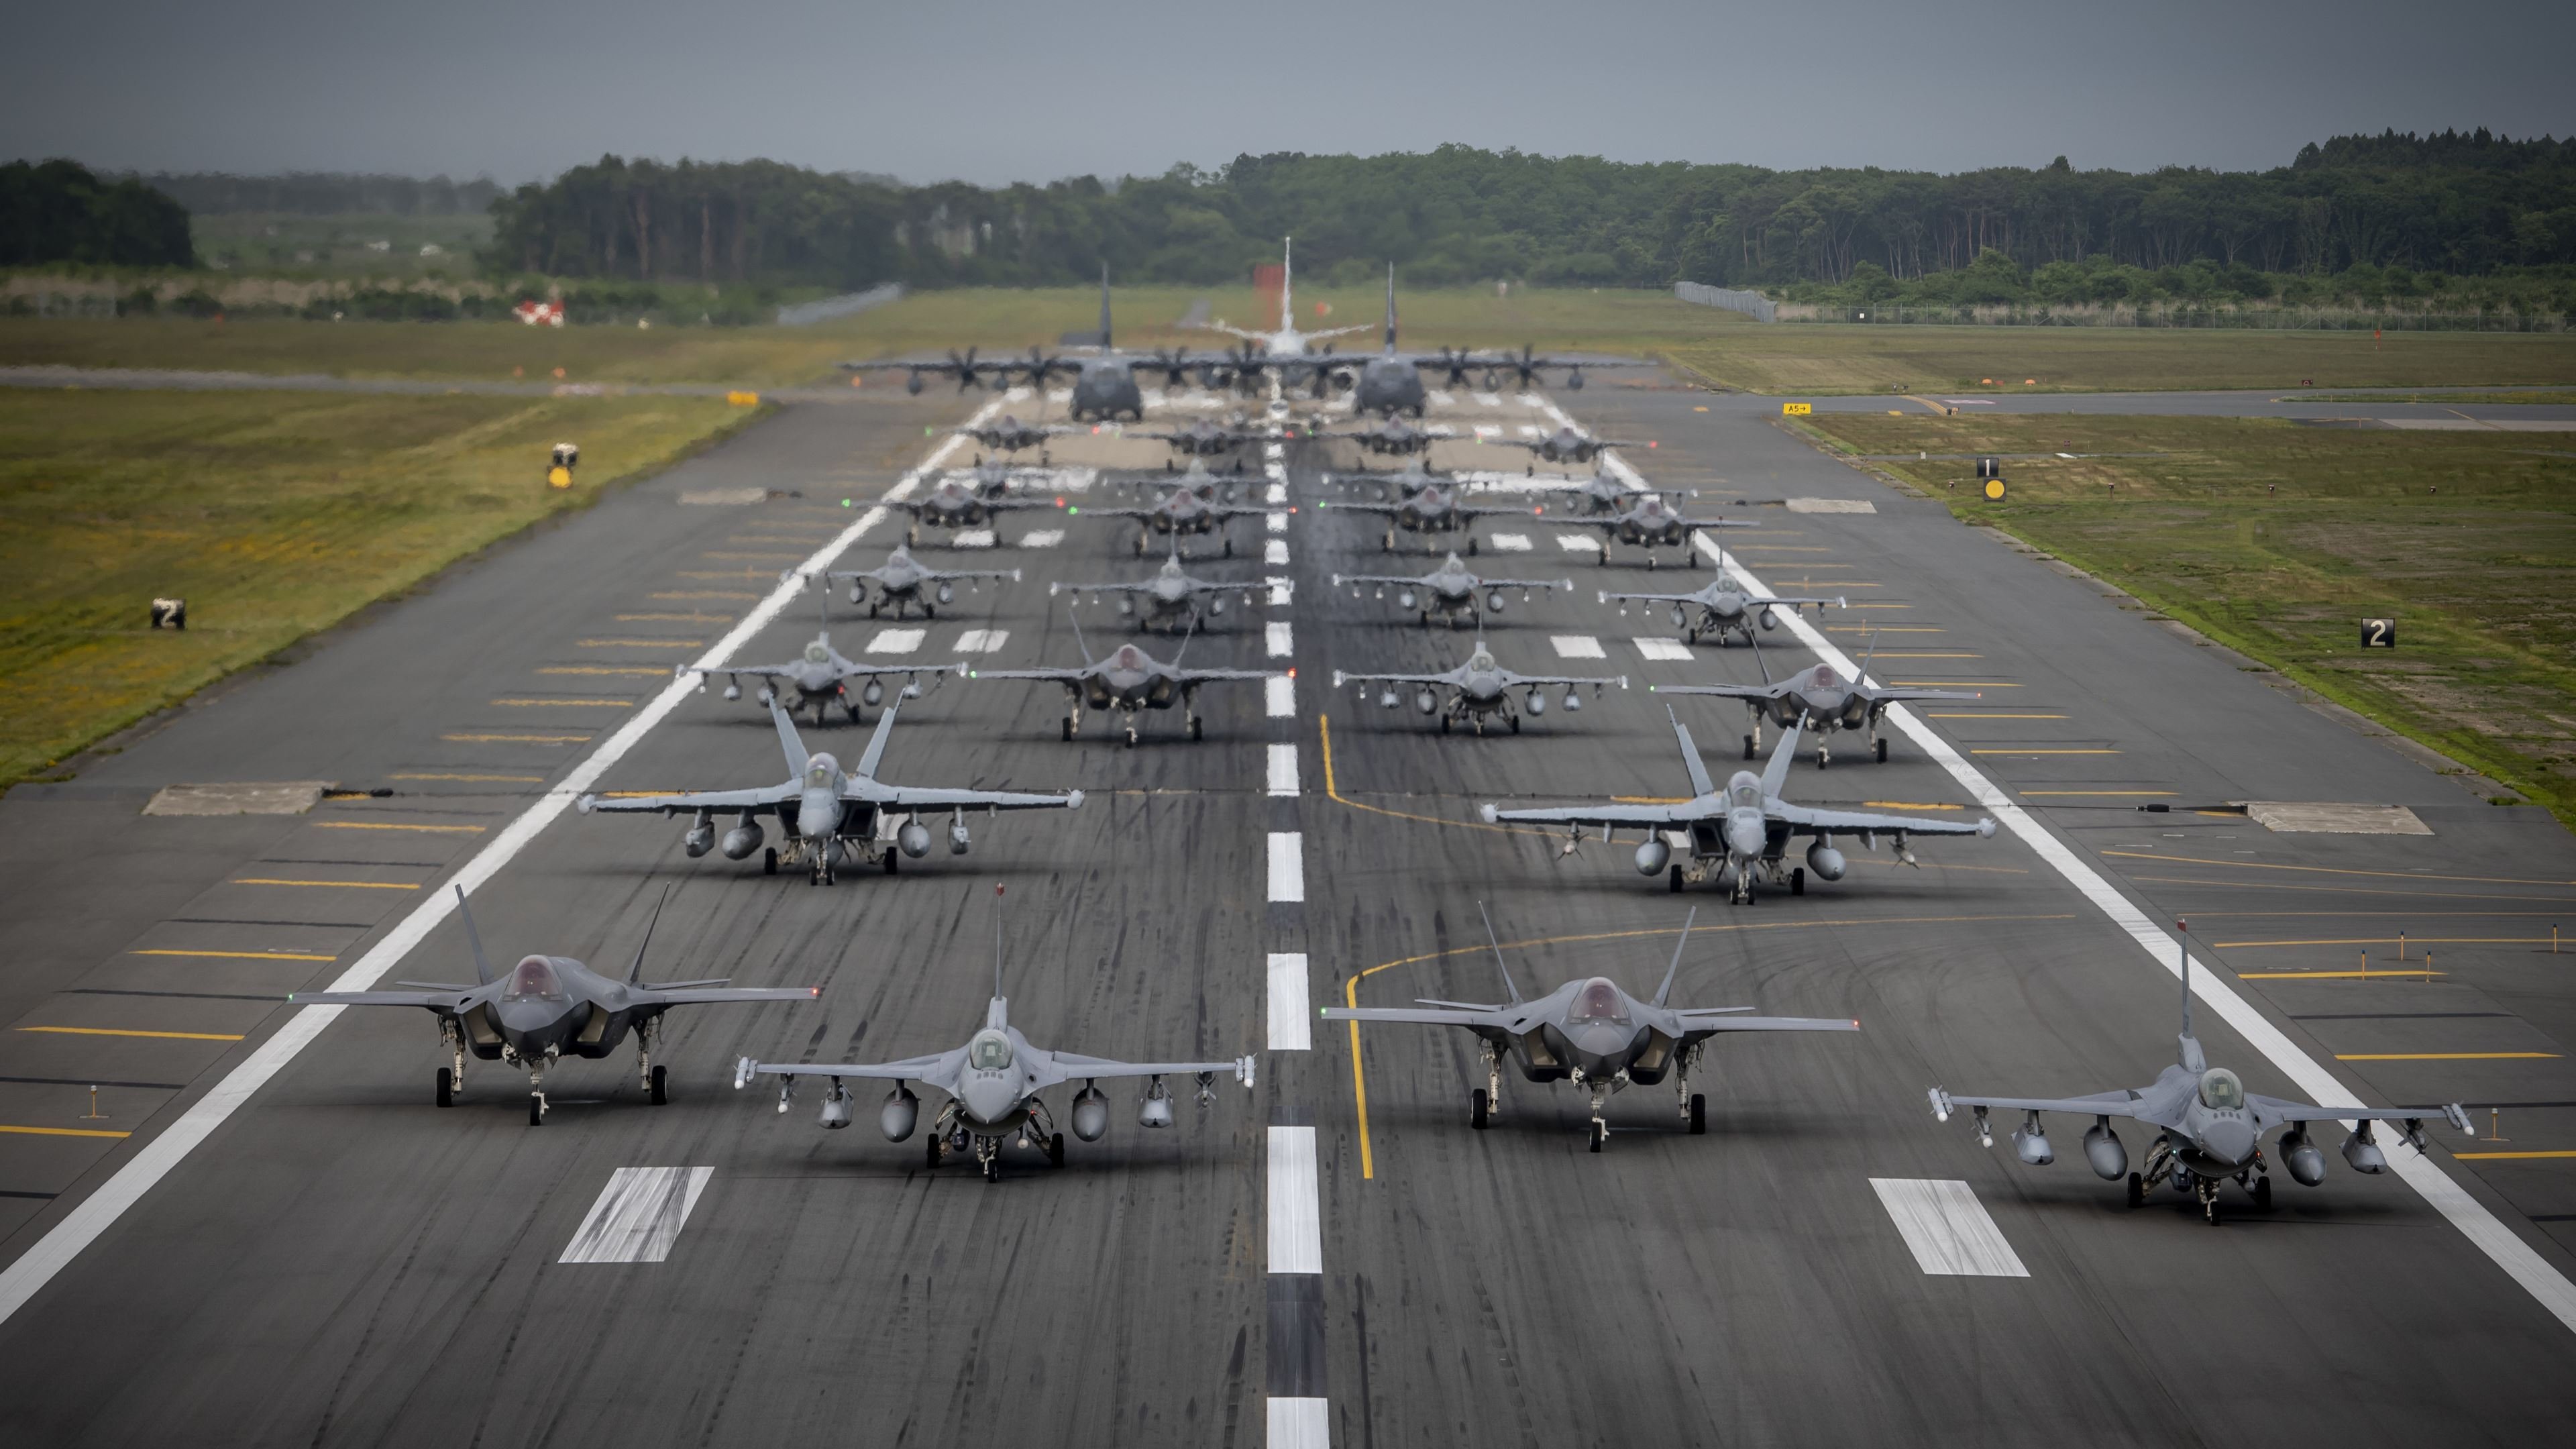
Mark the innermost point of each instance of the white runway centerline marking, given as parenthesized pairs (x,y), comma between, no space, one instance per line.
(896,641)
(1279,639)
(1279,697)
(1947,1228)
(1296,1216)
(982,641)
(1275,493)
(638,1216)
(1512,542)
(1287,866)
(1300,1424)
(1283,769)
(1274,451)
(1042,538)
(1289,1031)
(1576,646)
(1578,543)
(1275,522)
(1283,589)
(1672,649)
(1276,555)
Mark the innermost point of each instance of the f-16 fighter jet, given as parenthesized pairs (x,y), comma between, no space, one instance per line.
(1168,596)
(1820,699)
(1478,688)
(1648,522)
(830,815)
(976,500)
(1394,437)
(1565,445)
(1723,608)
(1740,833)
(821,678)
(2209,1129)
(1206,438)
(1007,434)
(1593,1034)
(1429,505)
(1449,590)
(1127,680)
(549,1007)
(992,1084)
(902,580)
(1187,505)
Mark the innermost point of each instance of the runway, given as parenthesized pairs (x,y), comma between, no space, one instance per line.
(340,1261)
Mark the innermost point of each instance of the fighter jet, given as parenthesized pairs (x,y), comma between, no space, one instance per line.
(1819,698)
(976,500)
(1007,434)
(1169,596)
(901,580)
(992,1084)
(1187,504)
(1604,491)
(1741,832)
(1127,680)
(1478,688)
(1429,505)
(2209,1129)
(1723,608)
(1206,438)
(1650,523)
(1394,437)
(1590,1033)
(549,1006)
(828,814)
(1449,590)
(1104,380)
(821,678)
(1287,341)
(1565,445)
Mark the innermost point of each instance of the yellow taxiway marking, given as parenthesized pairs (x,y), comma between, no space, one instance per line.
(1952,684)
(123,1031)
(61,1131)
(2253,885)
(675,618)
(1351,987)
(1908,805)
(355,885)
(566,703)
(754,557)
(1884,628)
(502,779)
(2339,870)
(2445,1056)
(1916,654)
(516,739)
(390,825)
(1929,404)
(2462,1156)
(640,794)
(1650,799)
(237,955)
(2393,940)
(2097,792)
(2042,752)
(641,643)
(1332,792)
(1963,715)
(679,595)
(2331,975)
(644,669)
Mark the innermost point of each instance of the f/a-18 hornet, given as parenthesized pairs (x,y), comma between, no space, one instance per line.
(1820,699)
(829,815)
(1186,505)
(1168,596)
(1565,445)
(1478,688)
(1590,1033)
(821,677)
(1425,504)
(1724,608)
(1741,833)
(1007,434)
(1648,522)
(992,1084)
(976,499)
(1449,590)
(2209,1129)
(902,580)
(1104,379)
(549,1007)
(1127,680)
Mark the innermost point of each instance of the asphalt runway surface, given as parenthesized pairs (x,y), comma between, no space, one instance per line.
(340,1261)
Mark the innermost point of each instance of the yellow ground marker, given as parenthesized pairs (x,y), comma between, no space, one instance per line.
(60,1131)
(565,703)
(2462,1156)
(1908,805)
(2123,793)
(122,1031)
(640,643)
(2331,975)
(486,779)
(355,885)
(390,825)
(2394,940)
(644,669)
(2445,1056)
(516,739)
(236,955)
(2339,869)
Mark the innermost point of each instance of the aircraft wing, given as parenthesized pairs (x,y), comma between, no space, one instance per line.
(1652,817)
(1485,510)
(445,1001)
(1719,691)
(1604,596)
(708,995)
(1051,676)
(939,1070)
(1805,820)
(2122,1103)
(756,671)
(1568,680)
(915,506)
(1436,680)
(1900,696)
(767,799)
(915,797)
(1065,1066)
(2270,1111)
(1565,584)
(1713,1024)
(1206,676)
(853,670)
(1413,1015)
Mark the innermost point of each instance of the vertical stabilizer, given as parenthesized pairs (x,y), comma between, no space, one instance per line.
(1509,986)
(473,942)
(875,752)
(1287,279)
(1106,343)
(1390,306)
(1666,990)
(789,742)
(635,973)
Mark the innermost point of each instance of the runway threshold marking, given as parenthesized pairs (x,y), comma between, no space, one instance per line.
(60,1131)
(127,1031)
(397,825)
(2337,869)
(1949,1231)
(1576,646)
(93,1215)
(1290,1030)
(235,955)
(1671,649)
(1298,1423)
(2548,1286)
(638,1215)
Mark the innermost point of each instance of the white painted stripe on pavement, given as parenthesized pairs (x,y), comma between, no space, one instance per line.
(1276,554)
(1579,543)
(1576,646)
(638,1216)
(1948,1229)
(99,1211)
(1275,493)
(1279,639)
(1283,769)
(1672,649)
(1274,450)
(1289,1010)
(983,641)
(1282,590)
(1287,866)
(1279,694)
(973,538)
(1275,522)
(1512,542)
(1489,400)
(895,641)
(1042,538)
(1300,1424)
(1296,1213)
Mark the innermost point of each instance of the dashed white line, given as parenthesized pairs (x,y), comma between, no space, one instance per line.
(1576,646)
(1948,1229)
(983,641)
(1283,769)
(638,1215)
(1289,1009)
(1579,543)
(1279,696)
(1275,493)
(1532,430)
(1287,866)
(1512,542)
(1276,553)
(1299,1424)
(1275,522)
(1042,538)
(1282,590)
(896,641)
(1489,400)
(1279,639)
(1296,1216)
(1672,649)
(1274,451)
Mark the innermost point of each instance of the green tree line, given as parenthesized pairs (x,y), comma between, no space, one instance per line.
(324,193)
(57,211)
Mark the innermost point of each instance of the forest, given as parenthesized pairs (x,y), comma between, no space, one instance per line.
(58,211)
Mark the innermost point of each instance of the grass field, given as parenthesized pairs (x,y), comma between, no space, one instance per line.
(2277,539)
(2559,396)
(273,514)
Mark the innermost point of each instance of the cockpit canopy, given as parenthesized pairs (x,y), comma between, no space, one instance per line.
(818,652)
(1481,661)
(534,979)
(1823,677)
(2220,1089)
(1748,795)
(819,772)
(1130,657)
(990,1051)
(1599,1000)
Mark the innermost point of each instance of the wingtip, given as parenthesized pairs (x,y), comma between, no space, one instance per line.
(587,803)
(1073,801)
(1488,812)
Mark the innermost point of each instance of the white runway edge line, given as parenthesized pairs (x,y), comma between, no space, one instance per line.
(1296,1212)
(1948,1229)
(1289,1031)
(2483,1229)
(638,1216)
(99,1211)
(1287,866)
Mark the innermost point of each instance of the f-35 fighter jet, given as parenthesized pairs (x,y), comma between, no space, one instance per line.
(1605,491)
(1127,680)
(1565,445)
(1007,434)
(1593,1034)
(1206,438)
(549,1007)
(1169,596)
(1723,608)
(975,501)
(2209,1129)
(1187,505)
(1820,699)
(1478,688)
(1428,506)
(902,580)
(821,677)
(830,815)
(1449,590)
(1741,833)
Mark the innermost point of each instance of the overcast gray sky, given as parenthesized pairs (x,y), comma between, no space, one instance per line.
(1004,90)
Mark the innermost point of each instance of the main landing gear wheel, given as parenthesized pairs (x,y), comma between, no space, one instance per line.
(1748,747)
(890,859)
(2263,1194)
(1882,752)
(1229,548)
(769,861)
(912,536)
(930,611)
(1516,724)
(1068,729)
(1798,881)
(1198,728)
(933,1146)
(1131,736)
(1677,880)
(1444,724)
(1598,1134)
(661,1086)
(993,1168)
(446,1087)
(1479,1109)
(872,611)
(1699,1115)
(1471,548)
(536,1110)
(2137,1190)
(1055,1149)
(2209,1209)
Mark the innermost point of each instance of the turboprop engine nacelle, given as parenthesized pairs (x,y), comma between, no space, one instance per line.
(901,1110)
(2102,1149)
(836,1108)
(2299,1154)
(1826,862)
(1090,1114)
(1653,856)
(914,839)
(742,840)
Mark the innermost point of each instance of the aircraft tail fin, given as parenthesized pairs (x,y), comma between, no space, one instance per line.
(875,752)
(998,1013)
(1666,990)
(2191,1057)
(1287,277)
(1701,784)
(1075,620)
(789,742)
(473,941)
(1390,306)
(1868,652)
(635,973)
(1775,775)
(1510,987)
(1105,342)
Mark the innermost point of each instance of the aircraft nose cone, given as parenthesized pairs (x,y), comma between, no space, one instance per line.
(989,1099)
(530,1026)
(1744,833)
(2229,1140)
(1601,1046)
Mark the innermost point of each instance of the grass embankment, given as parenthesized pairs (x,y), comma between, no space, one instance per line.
(274,515)
(2555,395)
(2277,539)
